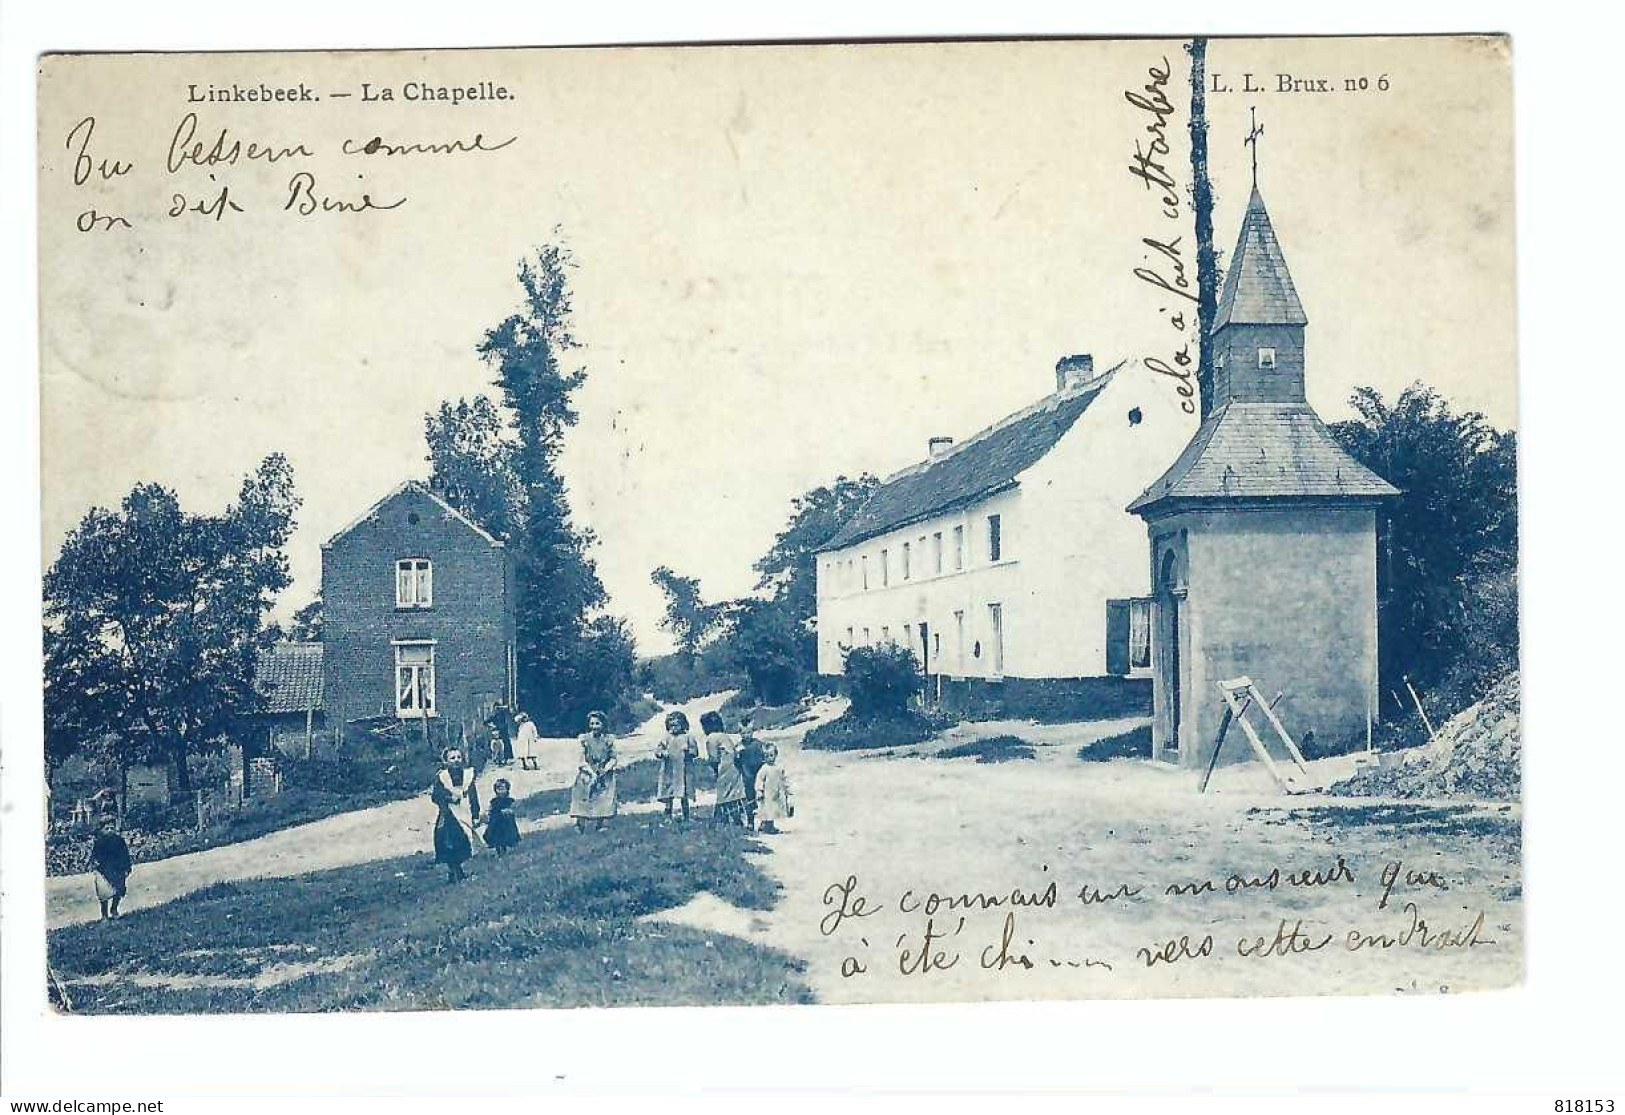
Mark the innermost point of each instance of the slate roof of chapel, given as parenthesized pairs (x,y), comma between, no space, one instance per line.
(987,463)
(1258,287)
(1264,450)
(288,676)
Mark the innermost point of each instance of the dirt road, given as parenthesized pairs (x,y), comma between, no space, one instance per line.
(894,830)
(395,829)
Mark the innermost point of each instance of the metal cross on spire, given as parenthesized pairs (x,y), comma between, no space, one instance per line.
(1252,141)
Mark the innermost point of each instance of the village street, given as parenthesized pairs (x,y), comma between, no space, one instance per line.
(910,822)
(878,834)
(397,828)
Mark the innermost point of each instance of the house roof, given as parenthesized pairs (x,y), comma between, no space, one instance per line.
(288,676)
(976,468)
(1263,450)
(1258,287)
(424,490)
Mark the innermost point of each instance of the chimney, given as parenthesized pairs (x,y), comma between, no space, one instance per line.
(1074,371)
(939,445)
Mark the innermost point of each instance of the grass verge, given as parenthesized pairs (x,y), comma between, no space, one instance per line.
(553,924)
(858,733)
(1132,744)
(993,749)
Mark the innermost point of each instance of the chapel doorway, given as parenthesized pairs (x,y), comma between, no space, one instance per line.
(1170,597)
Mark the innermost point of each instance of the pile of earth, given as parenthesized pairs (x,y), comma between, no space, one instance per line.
(1477,754)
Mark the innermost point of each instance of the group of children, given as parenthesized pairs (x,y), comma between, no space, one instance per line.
(751,787)
(752,790)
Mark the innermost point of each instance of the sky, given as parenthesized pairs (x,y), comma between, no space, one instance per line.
(793,262)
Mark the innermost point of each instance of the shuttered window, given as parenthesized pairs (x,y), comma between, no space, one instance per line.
(1128,635)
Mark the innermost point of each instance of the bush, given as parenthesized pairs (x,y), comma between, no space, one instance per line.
(881,680)
(993,749)
(858,733)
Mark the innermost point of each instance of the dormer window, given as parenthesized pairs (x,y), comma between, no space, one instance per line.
(414,583)
(1266,358)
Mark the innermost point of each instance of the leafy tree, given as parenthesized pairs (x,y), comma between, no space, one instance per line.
(154,617)
(688,617)
(472,461)
(1447,549)
(786,571)
(558,585)
(307,622)
(767,645)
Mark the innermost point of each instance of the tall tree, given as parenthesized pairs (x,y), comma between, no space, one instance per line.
(688,617)
(787,571)
(472,463)
(1447,546)
(558,583)
(153,618)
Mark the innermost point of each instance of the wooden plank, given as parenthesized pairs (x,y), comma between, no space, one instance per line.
(1218,742)
(1280,730)
(1263,754)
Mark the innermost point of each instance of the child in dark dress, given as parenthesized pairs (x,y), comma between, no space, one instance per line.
(501,829)
(110,860)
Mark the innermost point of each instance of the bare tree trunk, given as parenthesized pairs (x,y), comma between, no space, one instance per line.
(1207,264)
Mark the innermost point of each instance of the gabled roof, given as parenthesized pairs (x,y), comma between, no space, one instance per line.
(424,490)
(1258,288)
(288,676)
(972,470)
(1263,450)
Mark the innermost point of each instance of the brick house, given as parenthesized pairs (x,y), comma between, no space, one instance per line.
(418,618)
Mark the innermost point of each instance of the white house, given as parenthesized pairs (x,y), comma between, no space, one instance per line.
(1008,559)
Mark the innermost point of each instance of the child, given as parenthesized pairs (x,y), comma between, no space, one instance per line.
(501,829)
(720,750)
(453,841)
(749,760)
(772,792)
(524,744)
(593,797)
(110,860)
(676,754)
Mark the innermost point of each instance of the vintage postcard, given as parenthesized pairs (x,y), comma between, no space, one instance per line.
(779,524)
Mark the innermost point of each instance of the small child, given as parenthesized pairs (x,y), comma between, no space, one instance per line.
(773,802)
(110,860)
(676,754)
(501,829)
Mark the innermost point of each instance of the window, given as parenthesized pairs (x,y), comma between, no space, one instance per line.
(1128,635)
(936,647)
(906,570)
(848,642)
(936,553)
(885,569)
(414,583)
(414,680)
(1139,634)
(885,635)
(867,640)
(959,640)
(995,619)
(865,572)
(959,548)
(995,538)
(1266,358)
(908,635)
